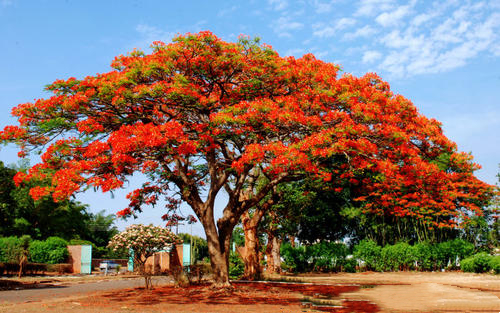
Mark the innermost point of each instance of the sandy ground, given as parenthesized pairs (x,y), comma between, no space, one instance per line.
(421,292)
(382,292)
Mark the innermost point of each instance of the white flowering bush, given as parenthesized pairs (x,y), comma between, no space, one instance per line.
(144,240)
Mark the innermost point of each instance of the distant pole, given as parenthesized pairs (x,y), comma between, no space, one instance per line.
(191,246)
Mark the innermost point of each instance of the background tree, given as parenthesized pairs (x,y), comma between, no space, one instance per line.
(201,115)
(144,240)
(21,215)
(7,202)
(100,228)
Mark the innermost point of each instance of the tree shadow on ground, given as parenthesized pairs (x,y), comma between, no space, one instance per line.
(7,284)
(248,293)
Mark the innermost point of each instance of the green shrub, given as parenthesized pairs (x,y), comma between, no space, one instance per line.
(294,258)
(395,257)
(424,256)
(38,252)
(449,252)
(51,251)
(10,249)
(236,266)
(56,242)
(58,255)
(480,263)
(325,256)
(349,265)
(467,265)
(368,252)
(495,264)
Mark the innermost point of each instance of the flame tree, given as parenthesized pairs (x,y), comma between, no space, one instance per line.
(201,115)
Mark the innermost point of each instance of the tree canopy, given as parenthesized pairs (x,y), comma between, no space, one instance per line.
(200,115)
(21,215)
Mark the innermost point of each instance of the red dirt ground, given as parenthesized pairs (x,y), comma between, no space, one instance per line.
(244,297)
(286,297)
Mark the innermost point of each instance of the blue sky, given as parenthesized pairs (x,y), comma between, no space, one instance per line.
(442,55)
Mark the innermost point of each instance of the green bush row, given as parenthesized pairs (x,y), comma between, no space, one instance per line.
(421,256)
(367,255)
(51,251)
(481,263)
(322,257)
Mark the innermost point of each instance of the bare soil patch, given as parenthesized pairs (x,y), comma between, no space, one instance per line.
(420,291)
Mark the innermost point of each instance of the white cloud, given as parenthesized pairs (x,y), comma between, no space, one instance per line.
(278,5)
(372,7)
(392,18)
(322,7)
(284,25)
(446,36)
(371,56)
(324,31)
(365,31)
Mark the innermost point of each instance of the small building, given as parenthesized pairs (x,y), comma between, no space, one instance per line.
(165,261)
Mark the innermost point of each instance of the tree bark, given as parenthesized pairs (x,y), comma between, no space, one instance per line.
(218,250)
(251,256)
(273,254)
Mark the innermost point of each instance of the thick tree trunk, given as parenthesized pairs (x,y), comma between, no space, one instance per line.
(218,250)
(251,255)
(273,254)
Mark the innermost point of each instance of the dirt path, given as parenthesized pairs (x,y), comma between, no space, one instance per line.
(422,292)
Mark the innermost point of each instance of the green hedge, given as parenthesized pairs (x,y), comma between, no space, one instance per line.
(367,255)
(421,256)
(481,263)
(51,251)
(322,257)
(11,248)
